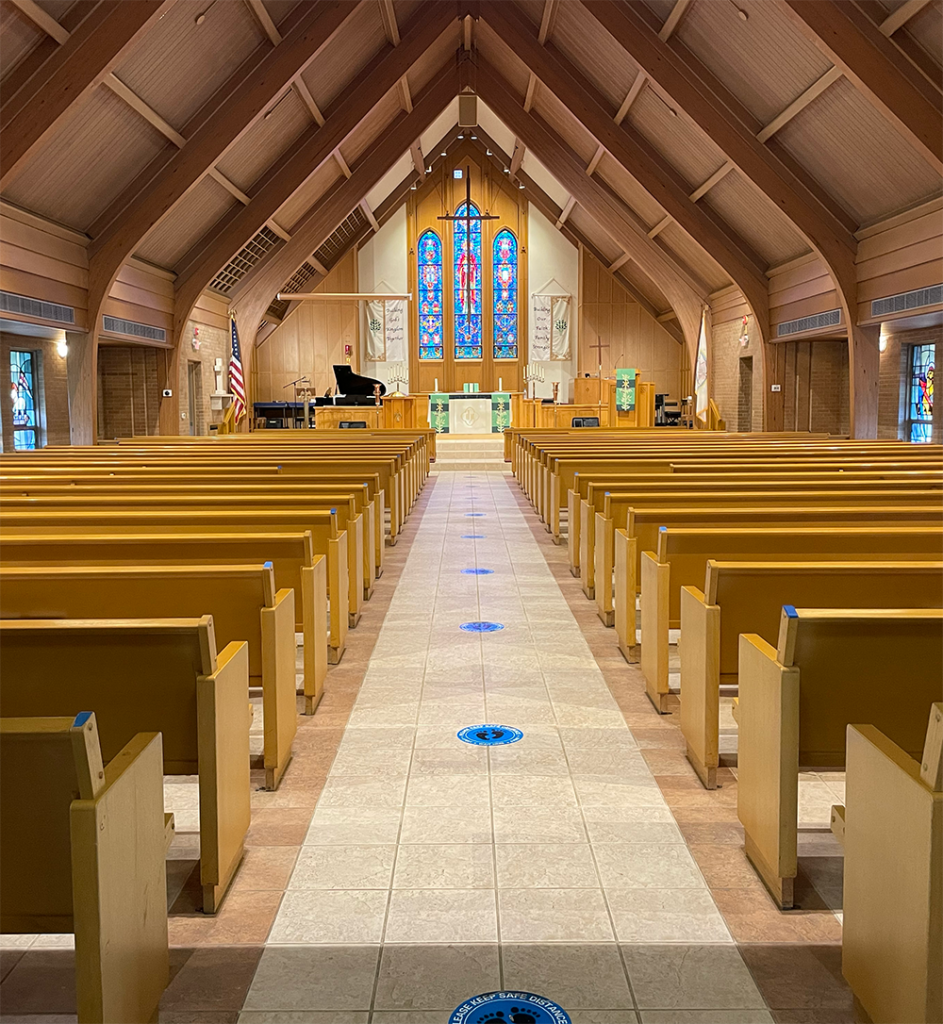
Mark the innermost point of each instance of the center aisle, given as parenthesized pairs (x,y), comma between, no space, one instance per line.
(435,870)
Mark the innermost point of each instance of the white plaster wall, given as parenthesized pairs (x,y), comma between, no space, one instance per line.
(383,267)
(550,257)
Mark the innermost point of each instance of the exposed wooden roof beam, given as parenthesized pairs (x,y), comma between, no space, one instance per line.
(406,97)
(718,175)
(43,21)
(342,163)
(630,97)
(531,92)
(273,225)
(669,314)
(800,103)
(595,158)
(517,157)
(96,46)
(674,19)
(217,175)
(619,262)
(636,154)
(255,291)
(546,21)
(368,213)
(305,93)
(415,151)
(612,215)
(309,152)
(263,17)
(388,17)
(897,19)
(877,69)
(144,109)
(468,27)
(660,226)
(565,212)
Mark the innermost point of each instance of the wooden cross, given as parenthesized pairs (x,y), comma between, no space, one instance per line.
(599,346)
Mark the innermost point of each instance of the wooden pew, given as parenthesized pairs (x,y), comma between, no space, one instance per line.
(892,928)
(82,850)
(681,561)
(241,598)
(295,566)
(159,675)
(326,539)
(747,597)
(830,669)
(349,522)
(643,524)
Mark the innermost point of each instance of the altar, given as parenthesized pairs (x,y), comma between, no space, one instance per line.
(471,412)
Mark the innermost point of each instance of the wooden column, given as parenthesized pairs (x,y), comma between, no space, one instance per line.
(864,368)
(81,366)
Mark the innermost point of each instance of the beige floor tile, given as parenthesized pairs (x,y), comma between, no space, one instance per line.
(442,915)
(532,790)
(444,825)
(470,793)
(690,977)
(420,977)
(573,976)
(553,915)
(453,866)
(530,824)
(343,867)
(363,791)
(545,866)
(330,916)
(306,978)
(666,915)
(648,866)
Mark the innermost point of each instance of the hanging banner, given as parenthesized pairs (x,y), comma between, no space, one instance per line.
(700,368)
(543,328)
(386,330)
(560,345)
(439,412)
(500,411)
(625,390)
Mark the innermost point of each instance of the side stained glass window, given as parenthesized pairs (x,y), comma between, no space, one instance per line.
(22,381)
(430,296)
(921,393)
(505,295)
(467,260)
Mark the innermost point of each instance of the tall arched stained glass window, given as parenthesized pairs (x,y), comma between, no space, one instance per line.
(467,262)
(430,296)
(505,295)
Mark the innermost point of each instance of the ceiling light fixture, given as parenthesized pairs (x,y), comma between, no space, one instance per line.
(488,152)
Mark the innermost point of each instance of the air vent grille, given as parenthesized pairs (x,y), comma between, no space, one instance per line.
(907,300)
(244,260)
(340,240)
(25,306)
(296,283)
(809,323)
(113,325)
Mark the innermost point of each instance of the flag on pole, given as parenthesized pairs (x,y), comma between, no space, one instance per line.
(236,382)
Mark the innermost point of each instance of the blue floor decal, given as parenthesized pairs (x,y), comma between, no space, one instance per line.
(481,627)
(477,572)
(474,514)
(490,735)
(509,1008)
(473,536)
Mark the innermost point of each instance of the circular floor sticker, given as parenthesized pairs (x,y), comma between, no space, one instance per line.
(473,536)
(490,735)
(477,572)
(481,627)
(509,1008)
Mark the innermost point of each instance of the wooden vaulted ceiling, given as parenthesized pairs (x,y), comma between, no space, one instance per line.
(689,144)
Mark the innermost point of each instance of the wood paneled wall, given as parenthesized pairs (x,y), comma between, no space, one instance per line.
(310,341)
(629,335)
(441,194)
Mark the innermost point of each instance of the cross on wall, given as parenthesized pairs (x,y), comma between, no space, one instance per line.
(599,346)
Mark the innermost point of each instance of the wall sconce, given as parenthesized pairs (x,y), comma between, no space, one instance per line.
(62,348)
(882,342)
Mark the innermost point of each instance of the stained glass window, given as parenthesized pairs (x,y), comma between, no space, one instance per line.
(467,260)
(505,295)
(25,423)
(921,393)
(430,296)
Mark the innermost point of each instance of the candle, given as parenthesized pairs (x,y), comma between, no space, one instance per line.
(500,383)
(436,387)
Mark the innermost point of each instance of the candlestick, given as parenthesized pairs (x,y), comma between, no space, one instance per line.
(500,383)
(436,387)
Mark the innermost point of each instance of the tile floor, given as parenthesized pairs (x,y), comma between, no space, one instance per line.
(398,871)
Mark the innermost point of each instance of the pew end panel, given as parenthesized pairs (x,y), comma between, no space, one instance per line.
(700,696)
(222,716)
(654,616)
(315,631)
(892,935)
(338,587)
(623,614)
(587,549)
(602,573)
(84,853)
(278,685)
(573,531)
(768,765)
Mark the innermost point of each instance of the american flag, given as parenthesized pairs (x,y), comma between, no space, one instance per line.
(236,383)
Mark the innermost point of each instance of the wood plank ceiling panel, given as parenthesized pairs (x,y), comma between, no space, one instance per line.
(308,194)
(661,7)
(428,65)
(680,243)
(855,154)
(582,223)
(494,49)
(405,9)
(18,37)
(178,65)
(547,106)
(189,221)
(578,35)
(266,141)
(354,47)
(363,136)
(755,218)
(280,9)
(629,190)
(676,138)
(926,27)
(84,164)
(764,61)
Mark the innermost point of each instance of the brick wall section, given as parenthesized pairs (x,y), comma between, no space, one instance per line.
(128,390)
(725,356)
(214,344)
(51,387)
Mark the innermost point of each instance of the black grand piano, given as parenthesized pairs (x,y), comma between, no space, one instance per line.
(352,389)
